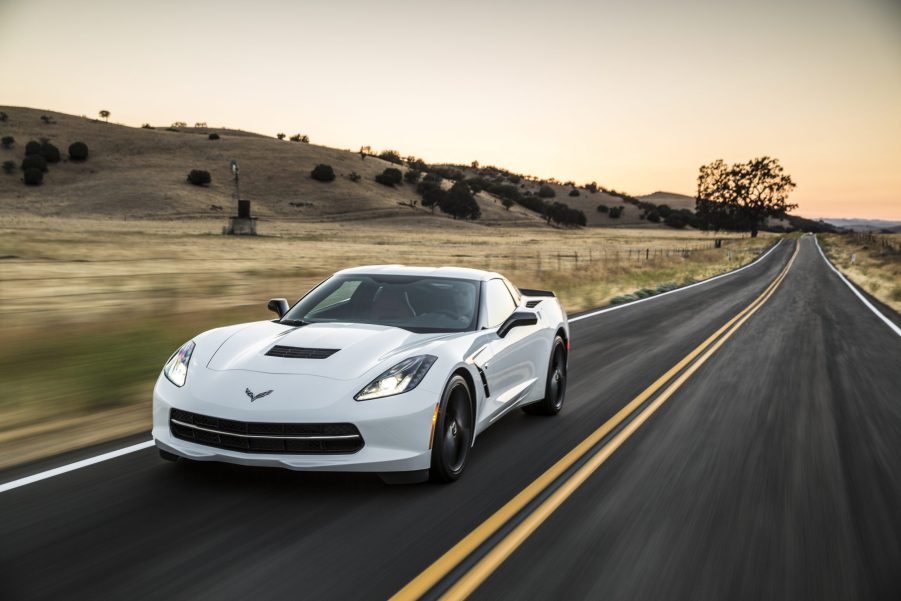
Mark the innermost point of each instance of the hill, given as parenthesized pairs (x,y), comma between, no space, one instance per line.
(140,173)
(865,225)
(671,199)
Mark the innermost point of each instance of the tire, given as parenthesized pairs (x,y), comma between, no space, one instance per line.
(555,386)
(168,456)
(452,439)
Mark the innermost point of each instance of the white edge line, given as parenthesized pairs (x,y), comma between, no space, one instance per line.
(862,298)
(74,466)
(655,296)
(149,443)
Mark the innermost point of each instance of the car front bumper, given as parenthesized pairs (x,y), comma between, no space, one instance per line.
(396,430)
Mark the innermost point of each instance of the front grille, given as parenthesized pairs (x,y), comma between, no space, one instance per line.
(296,352)
(265,437)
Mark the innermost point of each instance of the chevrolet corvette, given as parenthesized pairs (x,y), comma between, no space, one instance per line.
(388,369)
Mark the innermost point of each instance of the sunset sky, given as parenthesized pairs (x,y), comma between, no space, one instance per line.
(635,95)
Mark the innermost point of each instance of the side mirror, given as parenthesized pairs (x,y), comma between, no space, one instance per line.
(278,305)
(518,318)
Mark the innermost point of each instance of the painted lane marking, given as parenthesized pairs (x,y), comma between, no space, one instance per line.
(488,564)
(650,298)
(442,566)
(862,298)
(74,466)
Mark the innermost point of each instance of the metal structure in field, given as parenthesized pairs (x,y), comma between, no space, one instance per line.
(241,224)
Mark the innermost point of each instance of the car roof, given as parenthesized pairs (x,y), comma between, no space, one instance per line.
(462,273)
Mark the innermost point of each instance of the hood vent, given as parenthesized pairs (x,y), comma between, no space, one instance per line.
(532,303)
(296,352)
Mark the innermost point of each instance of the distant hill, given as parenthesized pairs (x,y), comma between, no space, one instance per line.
(865,225)
(140,173)
(671,199)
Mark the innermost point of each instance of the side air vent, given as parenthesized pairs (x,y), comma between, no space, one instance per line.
(533,303)
(296,352)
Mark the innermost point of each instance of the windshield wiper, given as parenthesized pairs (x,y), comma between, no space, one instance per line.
(294,322)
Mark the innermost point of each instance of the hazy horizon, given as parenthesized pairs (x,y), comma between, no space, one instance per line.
(634,97)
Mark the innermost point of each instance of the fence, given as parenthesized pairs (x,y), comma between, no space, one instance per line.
(888,243)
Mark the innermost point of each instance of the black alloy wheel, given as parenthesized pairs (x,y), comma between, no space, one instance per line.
(452,439)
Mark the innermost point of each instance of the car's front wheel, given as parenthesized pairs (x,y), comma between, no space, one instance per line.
(555,386)
(452,438)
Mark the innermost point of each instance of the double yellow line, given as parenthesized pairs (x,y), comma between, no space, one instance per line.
(485,566)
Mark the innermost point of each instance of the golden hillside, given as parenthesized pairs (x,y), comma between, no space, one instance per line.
(138,173)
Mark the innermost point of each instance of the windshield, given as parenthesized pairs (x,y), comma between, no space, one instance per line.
(416,303)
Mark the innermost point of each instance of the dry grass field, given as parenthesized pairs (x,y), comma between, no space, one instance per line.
(91,308)
(872,261)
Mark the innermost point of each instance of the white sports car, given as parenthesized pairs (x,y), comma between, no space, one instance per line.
(389,369)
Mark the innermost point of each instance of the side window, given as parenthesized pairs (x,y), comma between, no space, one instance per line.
(498,303)
(514,292)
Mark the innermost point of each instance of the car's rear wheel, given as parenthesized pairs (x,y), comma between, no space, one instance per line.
(555,387)
(452,438)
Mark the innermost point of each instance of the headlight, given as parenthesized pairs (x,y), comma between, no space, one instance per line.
(176,368)
(404,376)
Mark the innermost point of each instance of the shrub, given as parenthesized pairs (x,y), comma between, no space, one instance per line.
(175,129)
(392,156)
(179,124)
(300,138)
(34,161)
(280,136)
(198,177)
(460,203)
(9,167)
(448,173)
(433,197)
(50,152)
(623,298)
(147,126)
(33,147)
(47,120)
(323,173)
(213,136)
(3,117)
(546,192)
(574,192)
(200,124)
(78,151)
(653,217)
(8,141)
(412,176)
(390,177)
(616,212)
(678,219)
(354,177)
(507,203)
(33,177)
(602,208)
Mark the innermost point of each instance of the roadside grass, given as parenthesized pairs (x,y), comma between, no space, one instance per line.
(872,261)
(90,316)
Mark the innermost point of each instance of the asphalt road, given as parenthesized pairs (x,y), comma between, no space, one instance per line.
(773,472)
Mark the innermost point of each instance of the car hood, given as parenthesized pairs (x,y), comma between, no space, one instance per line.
(360,347)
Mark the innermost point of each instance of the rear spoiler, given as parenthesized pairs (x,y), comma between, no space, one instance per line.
(532,292)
